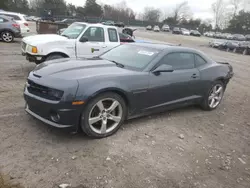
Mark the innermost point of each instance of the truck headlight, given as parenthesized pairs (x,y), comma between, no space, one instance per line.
(32,49)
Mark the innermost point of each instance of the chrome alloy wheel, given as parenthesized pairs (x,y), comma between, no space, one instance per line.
(105,116)
(215,96)
(7,37)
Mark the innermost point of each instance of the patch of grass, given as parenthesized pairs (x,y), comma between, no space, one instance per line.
(8,182)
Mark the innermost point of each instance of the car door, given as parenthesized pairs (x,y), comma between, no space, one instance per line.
(169,88)
(95,43)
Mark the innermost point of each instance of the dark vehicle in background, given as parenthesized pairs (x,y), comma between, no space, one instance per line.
(243,47)
(119,24)
(124,38)
(247,37)
(239,37)
(228,45)
(98,94)
(176,30)
(149,28)
(9,29)
(195,33)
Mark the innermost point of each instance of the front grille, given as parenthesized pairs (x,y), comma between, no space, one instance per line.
(43,91)
(24,46)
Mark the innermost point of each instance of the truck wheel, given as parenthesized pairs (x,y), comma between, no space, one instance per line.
(7,36)
(54,56)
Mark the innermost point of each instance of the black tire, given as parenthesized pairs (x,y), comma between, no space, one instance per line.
(85,115)
(10,37)
(54,56)
(204,103)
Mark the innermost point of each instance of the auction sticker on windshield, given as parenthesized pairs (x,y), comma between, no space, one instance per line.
(142,52)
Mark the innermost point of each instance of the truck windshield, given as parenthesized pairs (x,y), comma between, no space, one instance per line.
(74,30)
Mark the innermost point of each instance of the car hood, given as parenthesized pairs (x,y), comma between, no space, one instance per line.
(44,38)
(77,69)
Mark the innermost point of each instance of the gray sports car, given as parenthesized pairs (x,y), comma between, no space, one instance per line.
(131,80)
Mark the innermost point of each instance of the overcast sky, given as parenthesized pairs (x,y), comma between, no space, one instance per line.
(200,8)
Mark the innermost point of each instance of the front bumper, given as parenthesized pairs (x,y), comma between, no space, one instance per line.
(56,114)
(33,58)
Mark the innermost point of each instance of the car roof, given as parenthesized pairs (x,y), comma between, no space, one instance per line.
(167,47)
(12,13)
(6,17)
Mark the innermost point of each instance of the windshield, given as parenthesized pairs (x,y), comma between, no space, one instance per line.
(131,56)
(73,31)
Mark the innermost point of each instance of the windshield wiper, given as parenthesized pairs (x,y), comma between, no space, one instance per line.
(117,64)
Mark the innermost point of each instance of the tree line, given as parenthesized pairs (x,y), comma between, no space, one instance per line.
(233,19)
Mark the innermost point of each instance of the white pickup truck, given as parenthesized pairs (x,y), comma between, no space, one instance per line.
(78,40)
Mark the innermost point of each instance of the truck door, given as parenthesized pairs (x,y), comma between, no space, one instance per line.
(91,43)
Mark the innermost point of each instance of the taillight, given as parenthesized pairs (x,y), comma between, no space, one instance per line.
(16,26)
(26,24)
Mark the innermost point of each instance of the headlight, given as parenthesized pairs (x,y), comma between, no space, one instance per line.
(55,93)
(32,49)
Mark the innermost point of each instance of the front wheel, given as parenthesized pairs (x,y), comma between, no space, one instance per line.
(7,36)
(214,96)
(103,115)
(54,56)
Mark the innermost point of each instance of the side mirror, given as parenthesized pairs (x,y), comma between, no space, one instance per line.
(84,39)
(163,68)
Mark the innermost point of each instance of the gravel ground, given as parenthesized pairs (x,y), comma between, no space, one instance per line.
(183,148)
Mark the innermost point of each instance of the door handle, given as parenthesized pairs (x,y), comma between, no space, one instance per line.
(194,76)
(104,46)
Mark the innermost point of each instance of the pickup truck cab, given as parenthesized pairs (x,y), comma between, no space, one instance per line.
(78,40)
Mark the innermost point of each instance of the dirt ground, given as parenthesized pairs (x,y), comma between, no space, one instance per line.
(145,153)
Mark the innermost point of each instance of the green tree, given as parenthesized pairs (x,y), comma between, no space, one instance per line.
(4,4)
(91,8)
(240,23)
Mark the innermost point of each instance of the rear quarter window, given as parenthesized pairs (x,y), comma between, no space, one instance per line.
(112,35)
(199,61)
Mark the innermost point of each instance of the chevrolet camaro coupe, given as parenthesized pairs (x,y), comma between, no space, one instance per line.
(131,80)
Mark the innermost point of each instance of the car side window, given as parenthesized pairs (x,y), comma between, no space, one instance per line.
(112,35)
(94,34)
(2,20)
(179,60)
(199,60)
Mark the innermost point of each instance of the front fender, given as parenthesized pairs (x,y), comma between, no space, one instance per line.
(91,91)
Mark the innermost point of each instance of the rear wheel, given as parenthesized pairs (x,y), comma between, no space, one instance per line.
(214,96)
(7,36)
(228,49)
(103,115)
